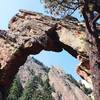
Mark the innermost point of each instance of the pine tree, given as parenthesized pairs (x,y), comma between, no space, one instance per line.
(36,89)
(43,92)
(47,90)
(15,90)
(29,89)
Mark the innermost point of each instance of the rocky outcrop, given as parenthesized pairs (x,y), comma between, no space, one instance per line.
(31,32)
(64,86)
(30,68)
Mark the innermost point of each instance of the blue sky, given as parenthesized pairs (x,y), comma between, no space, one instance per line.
(8,8)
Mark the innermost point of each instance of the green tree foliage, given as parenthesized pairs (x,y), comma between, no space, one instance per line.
(29,89)
(61,7)
(43,92)
(67,7)
(15,90)
(37,89)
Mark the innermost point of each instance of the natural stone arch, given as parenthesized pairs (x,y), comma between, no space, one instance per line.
(29,33)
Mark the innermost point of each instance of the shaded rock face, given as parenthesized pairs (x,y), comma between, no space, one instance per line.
(64,87)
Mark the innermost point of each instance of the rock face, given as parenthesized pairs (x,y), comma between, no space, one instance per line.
(64,86)
(31,32)
(30,68)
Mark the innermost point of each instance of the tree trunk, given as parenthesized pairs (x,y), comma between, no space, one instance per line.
(94,57)
(93,50)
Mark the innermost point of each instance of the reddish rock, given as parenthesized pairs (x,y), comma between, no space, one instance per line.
(31,32)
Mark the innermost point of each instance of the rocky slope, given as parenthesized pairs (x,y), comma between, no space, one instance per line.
(64,86)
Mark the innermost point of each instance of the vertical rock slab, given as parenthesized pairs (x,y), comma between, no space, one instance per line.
(63,88)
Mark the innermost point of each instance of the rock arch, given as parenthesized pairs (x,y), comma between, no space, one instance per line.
(30,33)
